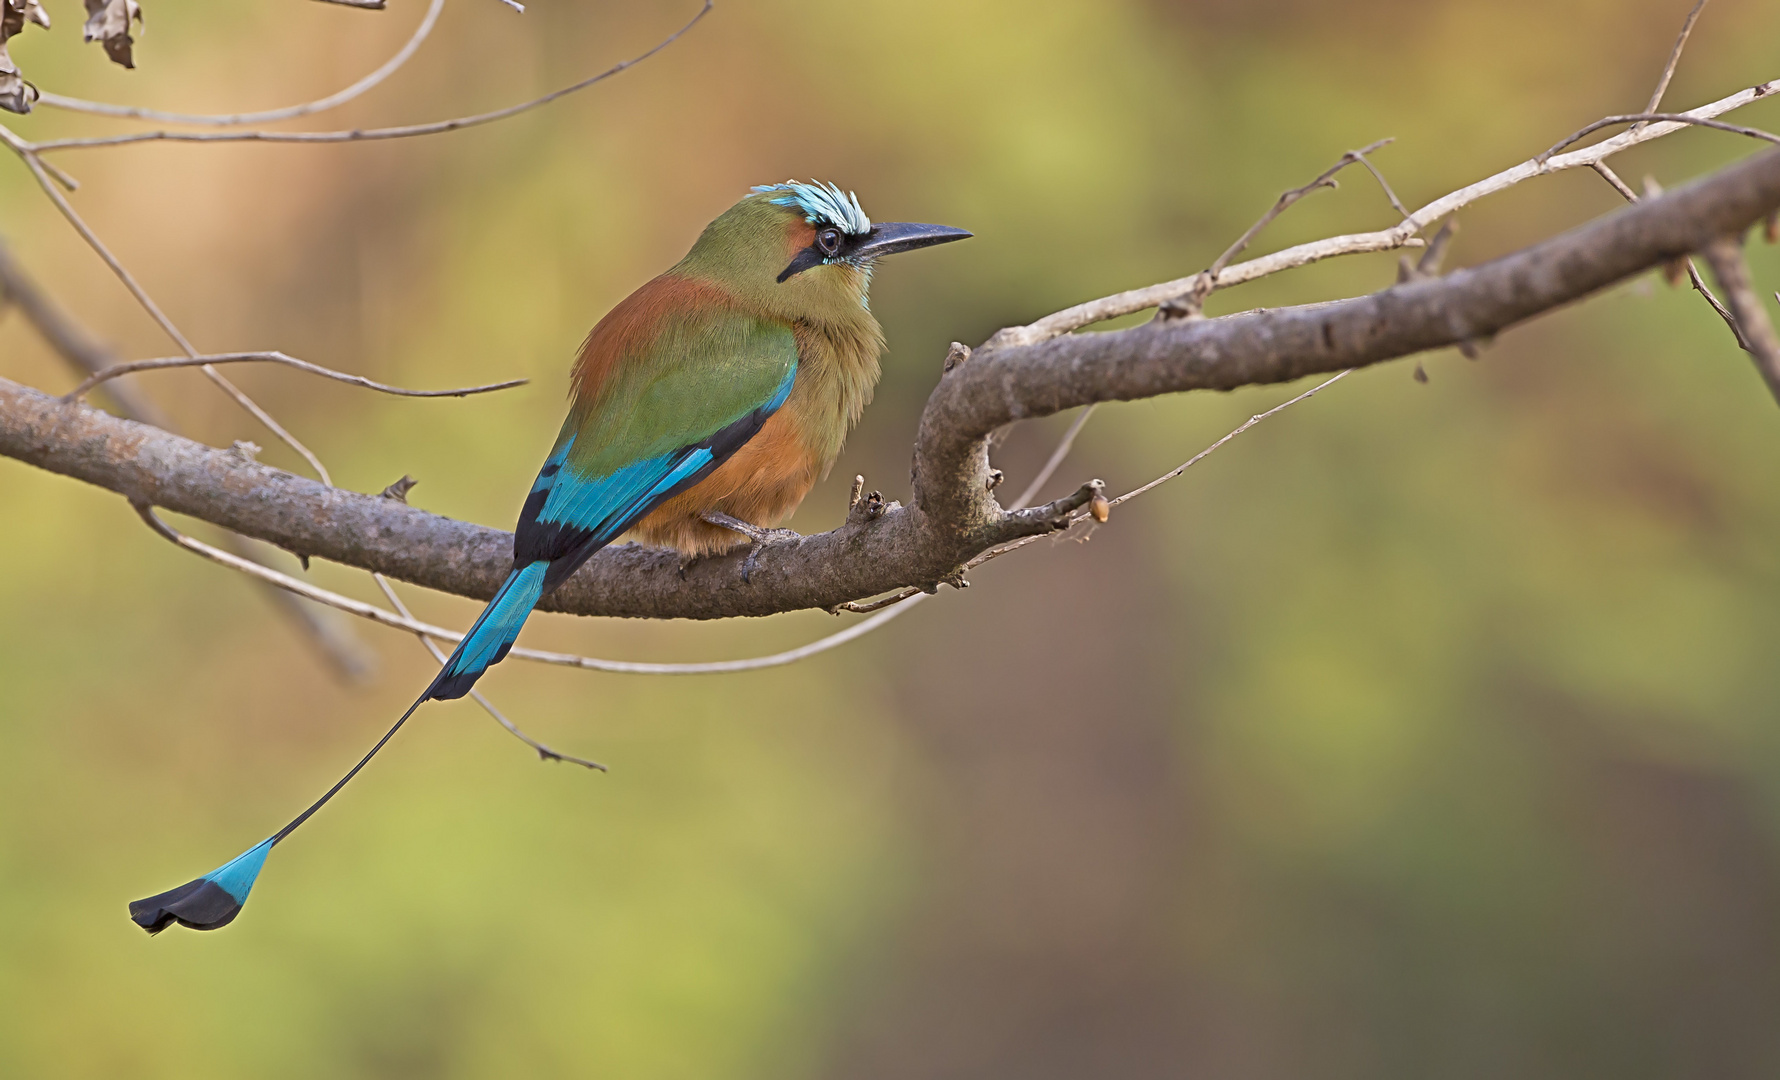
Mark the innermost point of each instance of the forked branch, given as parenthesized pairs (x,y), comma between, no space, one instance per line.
(953,517)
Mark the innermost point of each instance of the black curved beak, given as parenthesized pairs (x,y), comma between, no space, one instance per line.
(890,237)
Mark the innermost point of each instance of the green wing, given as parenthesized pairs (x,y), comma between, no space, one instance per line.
(666,415)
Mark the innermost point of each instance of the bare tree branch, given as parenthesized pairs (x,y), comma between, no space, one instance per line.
(954,517)
(1662,83)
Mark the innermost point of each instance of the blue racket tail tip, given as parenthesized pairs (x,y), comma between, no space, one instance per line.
(206,903)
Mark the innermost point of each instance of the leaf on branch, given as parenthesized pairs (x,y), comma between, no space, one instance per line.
(108,21)
(18,12)
(17,94)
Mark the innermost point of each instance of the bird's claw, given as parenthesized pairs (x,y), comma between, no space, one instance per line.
(758,537)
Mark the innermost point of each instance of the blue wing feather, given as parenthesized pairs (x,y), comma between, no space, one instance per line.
(568,516)
(606,505)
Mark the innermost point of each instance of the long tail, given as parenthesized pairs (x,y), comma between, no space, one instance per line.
(213,901)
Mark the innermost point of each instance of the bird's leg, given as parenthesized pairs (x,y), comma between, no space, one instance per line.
(759,536)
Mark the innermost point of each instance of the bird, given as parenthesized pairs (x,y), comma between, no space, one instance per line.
(703,408)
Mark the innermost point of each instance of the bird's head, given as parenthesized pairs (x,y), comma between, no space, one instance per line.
(802,245)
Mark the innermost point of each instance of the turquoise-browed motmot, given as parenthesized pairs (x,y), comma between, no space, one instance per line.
(704,407)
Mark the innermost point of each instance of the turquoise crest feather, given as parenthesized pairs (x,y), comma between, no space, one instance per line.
(821,203)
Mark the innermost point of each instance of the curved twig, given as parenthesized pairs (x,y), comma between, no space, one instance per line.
(1325,180)
(357,89)
(369,134)
(997,552)
(166,362)
(1648,117)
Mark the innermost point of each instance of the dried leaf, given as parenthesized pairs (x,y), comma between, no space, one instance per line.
(16,92)
(15,13)
(108,21)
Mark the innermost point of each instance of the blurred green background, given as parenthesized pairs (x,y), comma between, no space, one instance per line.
(1426,730)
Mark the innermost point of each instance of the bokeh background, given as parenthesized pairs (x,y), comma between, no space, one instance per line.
(1424,731)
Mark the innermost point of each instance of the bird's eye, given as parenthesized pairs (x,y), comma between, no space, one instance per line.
(829,240)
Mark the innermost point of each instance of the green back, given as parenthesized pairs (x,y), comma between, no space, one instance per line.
(699,372)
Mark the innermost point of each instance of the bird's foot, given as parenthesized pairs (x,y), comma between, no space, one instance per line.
(758,535)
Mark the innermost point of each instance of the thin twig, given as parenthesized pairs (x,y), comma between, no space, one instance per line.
(1612,178)
(1064,445)
(1646,117)
(1192,301)
(1429,264)
(1015,545)
(62,178)
(1662,84)
(1726,258)
(1693,272)
(1396,203)
(154,310)
(1133,300)
(1699,285)
(357,89)
(1286,199)
(545,753)
(1238,430)
(369,134)
(166,362)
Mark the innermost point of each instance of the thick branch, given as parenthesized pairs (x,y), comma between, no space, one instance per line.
(955,516)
